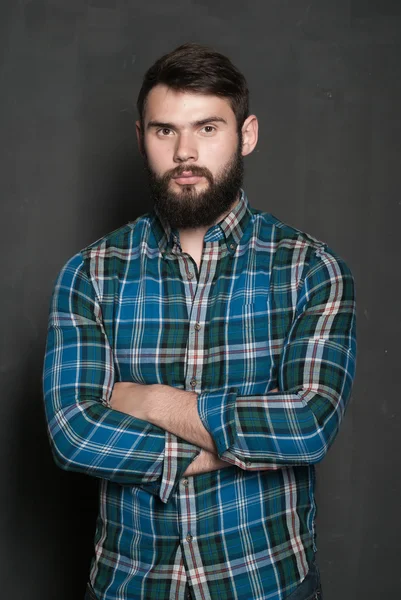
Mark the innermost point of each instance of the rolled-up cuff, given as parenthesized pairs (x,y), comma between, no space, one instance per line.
(178,455)
(217,413)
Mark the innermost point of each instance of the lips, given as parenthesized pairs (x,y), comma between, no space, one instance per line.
(187,178)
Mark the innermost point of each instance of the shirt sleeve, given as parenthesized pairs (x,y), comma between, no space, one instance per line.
(297,424)
(86,435)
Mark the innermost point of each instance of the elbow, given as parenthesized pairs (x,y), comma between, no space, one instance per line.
(314,455)
(66,444)
(317,446)
(63,455)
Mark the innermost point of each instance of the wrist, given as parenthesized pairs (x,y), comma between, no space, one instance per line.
(149,402)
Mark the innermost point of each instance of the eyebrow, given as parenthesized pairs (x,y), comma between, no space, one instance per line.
(162,124)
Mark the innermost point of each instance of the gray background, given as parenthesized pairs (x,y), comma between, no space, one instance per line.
(325,79)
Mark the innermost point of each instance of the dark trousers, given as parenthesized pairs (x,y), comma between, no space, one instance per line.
(310,588)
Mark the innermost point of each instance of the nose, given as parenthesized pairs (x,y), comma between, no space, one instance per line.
(185,149)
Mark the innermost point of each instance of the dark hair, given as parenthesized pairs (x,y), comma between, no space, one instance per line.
(198,69)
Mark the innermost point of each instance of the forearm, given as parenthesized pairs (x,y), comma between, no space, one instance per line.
(177,412)
(277,429)
(165,407)
(90,438)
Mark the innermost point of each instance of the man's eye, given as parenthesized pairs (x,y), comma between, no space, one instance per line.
(165,131)
(209,129)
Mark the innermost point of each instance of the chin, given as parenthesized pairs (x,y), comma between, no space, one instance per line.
(197,188)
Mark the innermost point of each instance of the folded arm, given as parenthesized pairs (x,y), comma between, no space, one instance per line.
(86,434)
(297,424)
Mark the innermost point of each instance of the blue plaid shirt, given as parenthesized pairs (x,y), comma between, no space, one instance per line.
(270,308)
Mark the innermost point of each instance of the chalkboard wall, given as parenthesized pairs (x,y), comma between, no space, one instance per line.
(325,80)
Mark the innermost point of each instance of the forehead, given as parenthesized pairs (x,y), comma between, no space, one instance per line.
(166,104)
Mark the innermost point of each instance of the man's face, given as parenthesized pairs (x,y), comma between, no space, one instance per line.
(193,154)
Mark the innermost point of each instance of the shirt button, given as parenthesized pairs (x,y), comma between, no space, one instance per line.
(189,538)
(193,382)
(248,463)
(232,246)
(197,326)
(190,276)
(185,482)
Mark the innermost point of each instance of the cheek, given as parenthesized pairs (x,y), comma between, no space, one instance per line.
(159,156)
(216,157)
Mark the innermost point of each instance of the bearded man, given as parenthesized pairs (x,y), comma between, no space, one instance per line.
(199,362)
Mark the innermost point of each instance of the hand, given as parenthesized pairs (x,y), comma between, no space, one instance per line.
(205,463)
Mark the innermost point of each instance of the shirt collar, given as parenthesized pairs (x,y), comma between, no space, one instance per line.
(231,228)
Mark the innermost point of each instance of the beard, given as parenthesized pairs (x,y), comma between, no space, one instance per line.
(188,209)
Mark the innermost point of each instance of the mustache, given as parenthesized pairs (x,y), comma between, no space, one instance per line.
(194,169)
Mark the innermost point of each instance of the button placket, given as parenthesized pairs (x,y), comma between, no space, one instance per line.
(187,526)
(197,297)
(197,304)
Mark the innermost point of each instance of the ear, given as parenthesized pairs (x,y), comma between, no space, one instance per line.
(249,130)
(139,137)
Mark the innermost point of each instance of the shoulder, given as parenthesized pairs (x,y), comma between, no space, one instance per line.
(282,234)
(296,254)
(121,240)
(109,253)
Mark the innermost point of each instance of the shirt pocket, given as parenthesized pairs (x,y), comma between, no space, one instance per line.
(250,364)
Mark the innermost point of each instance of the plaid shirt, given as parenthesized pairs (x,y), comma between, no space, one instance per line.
(270,307)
